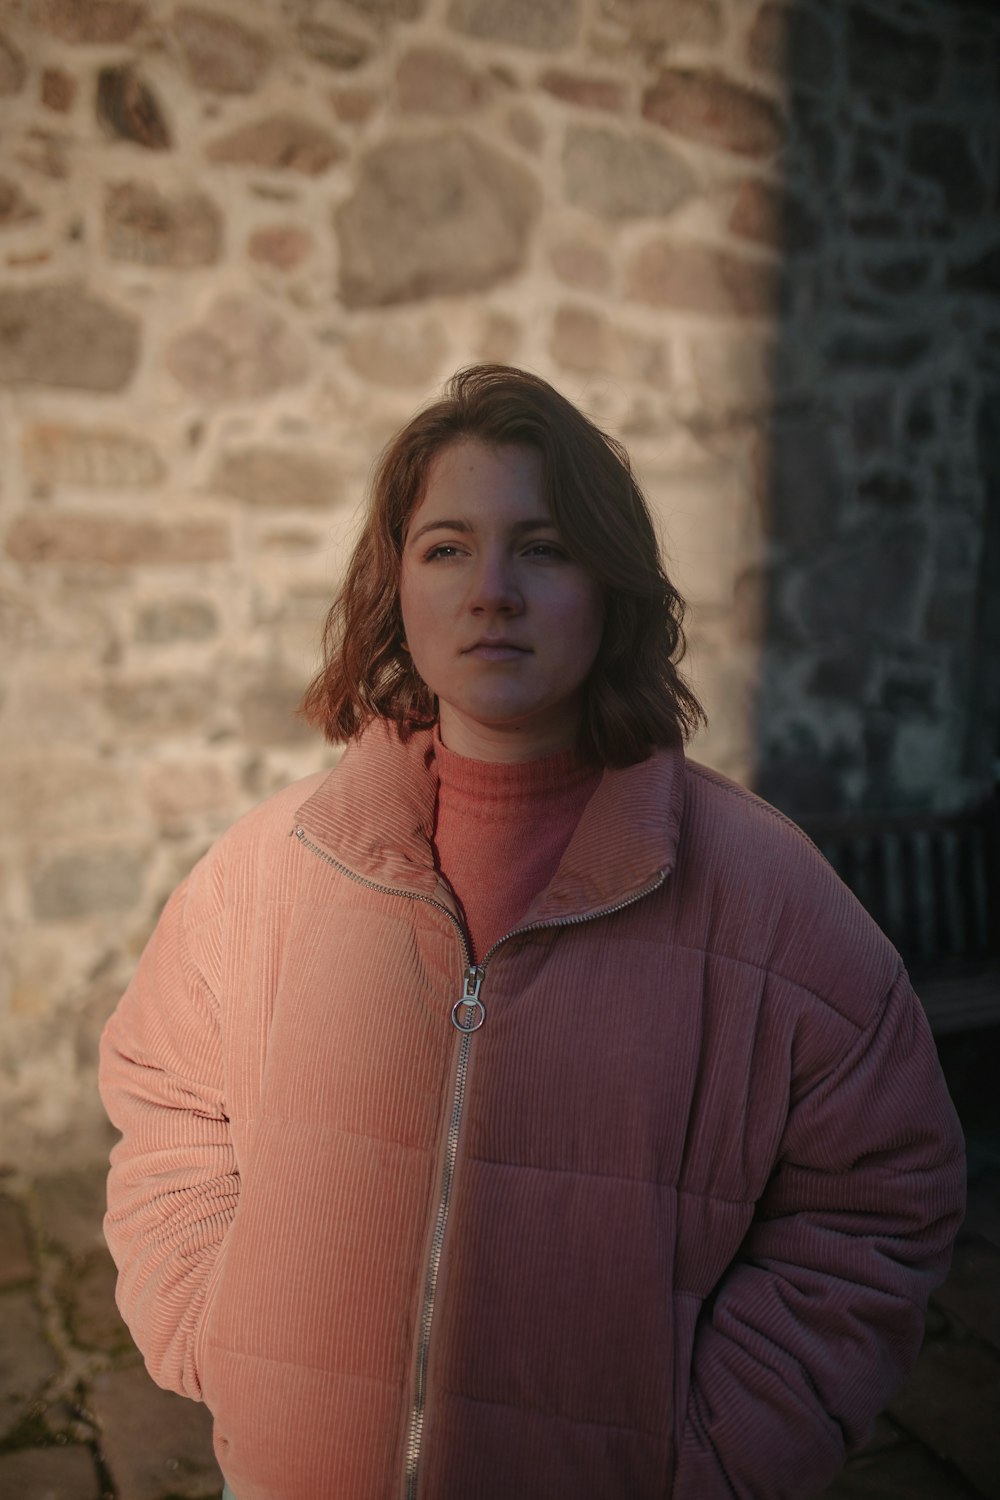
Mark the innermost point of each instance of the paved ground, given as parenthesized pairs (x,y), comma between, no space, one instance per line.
(81,1420)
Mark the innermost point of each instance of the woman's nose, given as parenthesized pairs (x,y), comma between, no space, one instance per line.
(495,585)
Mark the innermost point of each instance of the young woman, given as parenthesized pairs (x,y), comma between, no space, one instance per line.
(519,1109)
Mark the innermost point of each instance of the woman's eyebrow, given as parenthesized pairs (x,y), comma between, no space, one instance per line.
(443,524)
(535,523)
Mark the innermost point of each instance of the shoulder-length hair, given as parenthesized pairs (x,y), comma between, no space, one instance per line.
(634,698)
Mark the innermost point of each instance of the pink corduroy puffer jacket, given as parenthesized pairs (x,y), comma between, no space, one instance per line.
(652,1211)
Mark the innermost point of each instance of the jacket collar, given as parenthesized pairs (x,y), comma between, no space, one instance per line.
(374,815)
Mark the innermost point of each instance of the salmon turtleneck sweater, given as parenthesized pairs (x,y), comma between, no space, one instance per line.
(500,831)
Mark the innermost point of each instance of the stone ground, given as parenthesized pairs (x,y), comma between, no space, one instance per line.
(81,1420)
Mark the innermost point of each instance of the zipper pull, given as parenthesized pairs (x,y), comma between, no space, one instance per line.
(469,1013)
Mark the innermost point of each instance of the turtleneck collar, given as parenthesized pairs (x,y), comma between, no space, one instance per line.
(374,814)
(489,790)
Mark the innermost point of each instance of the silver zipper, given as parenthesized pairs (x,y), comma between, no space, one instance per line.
(470,1000)
(467,1016)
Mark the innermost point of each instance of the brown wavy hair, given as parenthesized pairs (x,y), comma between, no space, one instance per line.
(634,697)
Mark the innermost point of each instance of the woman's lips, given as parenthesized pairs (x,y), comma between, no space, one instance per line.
(497,651)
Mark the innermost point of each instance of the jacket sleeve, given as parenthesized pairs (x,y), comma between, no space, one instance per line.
(174,1185)
(813,1328)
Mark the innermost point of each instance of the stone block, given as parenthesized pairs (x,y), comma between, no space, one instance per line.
(87,883)
(155,1443)
(584,90)
(390,10)
(543,25)
(333,46)
(877,225)
(15,1247)
(397,353)
(893,62)
(585,340)
(127,108)
(89,1294)
(57,539)
(27,1360)
(581,339)
(279,143)
(701,279)
(13,67)
(160,706)
(792,44)
(525,129)
(949,615)
(46,153)
(148,228)
(354,106)
(269,714)
(979,276)
(498,339)
(281,246)
(15,207)
(241,351)
(64,790)
(66,1473)
(889,487)
(57,90)
(439,214)
(285,478)
(949,1402)
(90,22)
(222,56)
(941,151)
(436,81)
(869,348)
(180,791)
(619,176)
(710,108)
(908,692)
(61,335)
(869,172)
(651,24)
(580,264)
(869,588)
(55,453)
(181,619)
(91,1010)
(873,423)
(291,540)
(842,677)
(20,622)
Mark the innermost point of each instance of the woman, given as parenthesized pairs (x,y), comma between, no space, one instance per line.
(520,1110)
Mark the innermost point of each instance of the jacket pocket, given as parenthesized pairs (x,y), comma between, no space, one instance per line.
(687,1310)
(208,1308)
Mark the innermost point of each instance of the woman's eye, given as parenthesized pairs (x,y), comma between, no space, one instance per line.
(546,549)
(443,549)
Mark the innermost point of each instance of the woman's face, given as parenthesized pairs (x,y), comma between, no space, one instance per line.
(502,624)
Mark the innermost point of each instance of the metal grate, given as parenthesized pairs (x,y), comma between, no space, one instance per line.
(931,883)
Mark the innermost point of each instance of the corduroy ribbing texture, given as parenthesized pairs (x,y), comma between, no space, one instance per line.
(706,1170)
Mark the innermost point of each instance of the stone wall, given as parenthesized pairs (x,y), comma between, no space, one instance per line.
(242,239)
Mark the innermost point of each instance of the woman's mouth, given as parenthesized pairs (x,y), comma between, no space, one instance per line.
(497,651)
